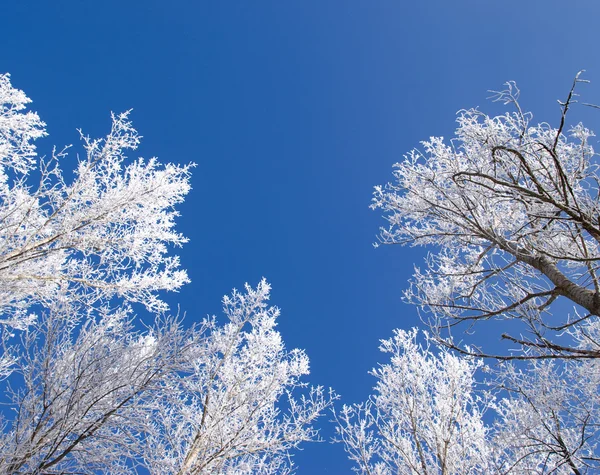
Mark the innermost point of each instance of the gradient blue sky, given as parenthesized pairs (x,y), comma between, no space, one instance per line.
(293,110)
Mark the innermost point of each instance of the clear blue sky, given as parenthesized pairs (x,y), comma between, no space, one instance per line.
(293,110)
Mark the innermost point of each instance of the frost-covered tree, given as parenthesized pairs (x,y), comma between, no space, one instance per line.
(85,387)
(513,209)
(239,405)
(105,398)
(77,405)
(425,417)
(93,240)
(80,242)
(549,417)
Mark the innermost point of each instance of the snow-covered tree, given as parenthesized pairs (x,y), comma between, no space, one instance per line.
(239,405)
(425,417)
(88,389)
(549,416)
(78,402)
(97,239)
(549,422)
(101,235)
(105,398)
(513,208)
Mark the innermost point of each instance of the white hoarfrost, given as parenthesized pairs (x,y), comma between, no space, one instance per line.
(239,404)
(101,235)
(425,416)
(86,388)
(513,209)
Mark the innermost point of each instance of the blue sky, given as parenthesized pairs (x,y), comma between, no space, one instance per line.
(293,110)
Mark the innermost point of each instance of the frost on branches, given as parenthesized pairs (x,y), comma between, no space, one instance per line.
(427,415)
(425,418)
(209,399)
(85,389)
(514,209)
(80,407)
(79,243)
(235,407)
(549,422)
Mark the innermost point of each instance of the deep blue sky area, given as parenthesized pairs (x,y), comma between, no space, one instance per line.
(293,110)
